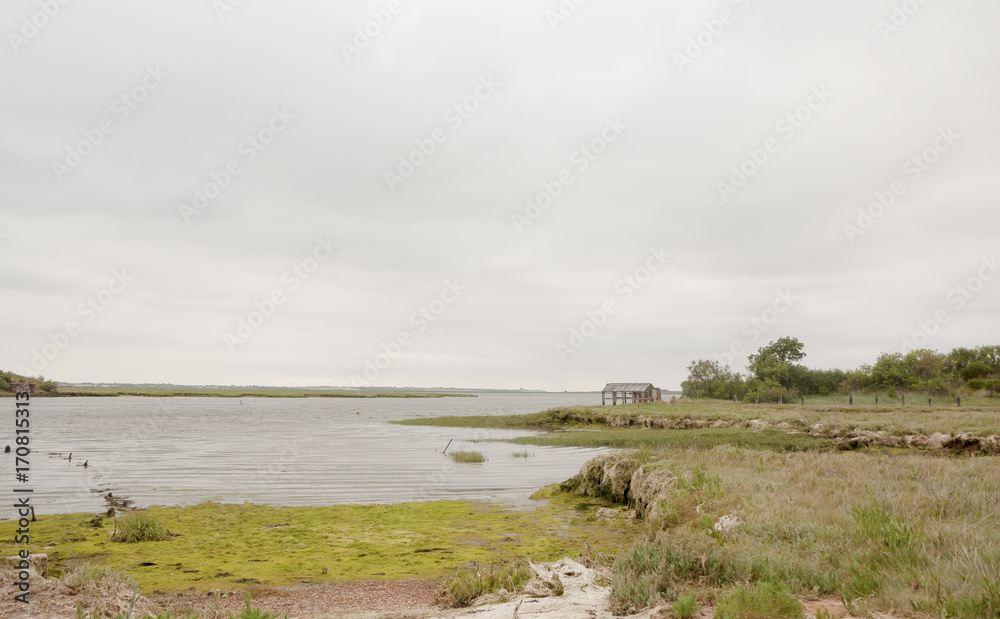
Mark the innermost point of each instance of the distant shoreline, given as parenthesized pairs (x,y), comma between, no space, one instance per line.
(154,392)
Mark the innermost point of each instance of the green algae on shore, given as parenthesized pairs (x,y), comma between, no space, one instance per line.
(226,546)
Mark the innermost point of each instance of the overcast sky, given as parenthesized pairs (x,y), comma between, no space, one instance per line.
(366,195)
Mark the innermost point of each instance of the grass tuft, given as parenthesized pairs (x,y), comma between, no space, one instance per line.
(524,453)
(472,457)
(140,526)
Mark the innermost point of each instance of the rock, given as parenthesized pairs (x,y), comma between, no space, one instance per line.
(727,523)
(938,440)
(759,424)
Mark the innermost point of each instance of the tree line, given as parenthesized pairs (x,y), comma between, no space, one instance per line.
(774,374)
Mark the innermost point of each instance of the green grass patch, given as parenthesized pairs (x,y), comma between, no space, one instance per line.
(524,453)
(216,546)
(706,438)
(468,457)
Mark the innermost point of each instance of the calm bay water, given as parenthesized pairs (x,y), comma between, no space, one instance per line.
(315,451)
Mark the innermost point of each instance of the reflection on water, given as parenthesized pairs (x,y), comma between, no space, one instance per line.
(322,451)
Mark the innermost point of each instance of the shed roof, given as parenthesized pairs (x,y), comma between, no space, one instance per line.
(628,387)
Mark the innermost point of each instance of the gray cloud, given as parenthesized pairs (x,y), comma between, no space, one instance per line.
(655,185)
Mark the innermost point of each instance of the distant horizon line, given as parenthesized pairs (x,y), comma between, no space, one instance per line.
(322,387)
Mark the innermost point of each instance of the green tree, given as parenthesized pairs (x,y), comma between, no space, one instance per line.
(773,364)
(707,379)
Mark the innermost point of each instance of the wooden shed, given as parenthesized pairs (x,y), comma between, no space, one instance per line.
(629,393)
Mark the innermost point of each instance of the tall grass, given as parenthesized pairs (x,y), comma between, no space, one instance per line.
(902,535)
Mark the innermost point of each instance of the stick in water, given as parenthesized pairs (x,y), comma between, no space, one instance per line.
(447,446)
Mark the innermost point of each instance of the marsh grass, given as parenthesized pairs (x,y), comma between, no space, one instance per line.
(976,416)
(140,526)
(524,453)
(765,600)
(469,457)
(911,536)
(706,438)
(209,392)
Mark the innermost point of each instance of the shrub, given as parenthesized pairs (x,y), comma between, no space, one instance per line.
(466,584)
(765,600)
(977,384)
(686,606)
(473,457)
(140,526)
(993,385)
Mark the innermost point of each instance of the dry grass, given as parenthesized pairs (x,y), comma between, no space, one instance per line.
(910,535)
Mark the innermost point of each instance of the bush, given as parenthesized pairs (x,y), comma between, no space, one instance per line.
(765,601)
(466,584)
(993,385)
(140,526)
(977,384)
